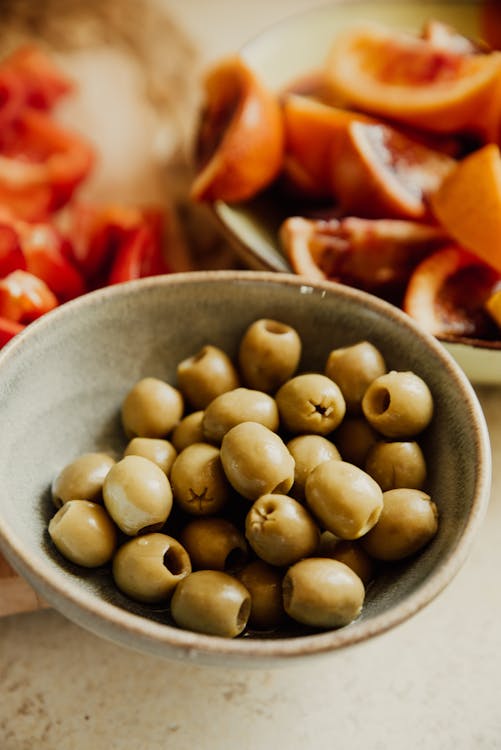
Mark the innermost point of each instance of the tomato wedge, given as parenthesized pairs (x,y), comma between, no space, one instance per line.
(447,294)
(39,82)
(9,329)
(24,297)
(11,255)
(117,243)
(41,164)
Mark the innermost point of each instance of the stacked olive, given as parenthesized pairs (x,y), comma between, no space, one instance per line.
(250,493)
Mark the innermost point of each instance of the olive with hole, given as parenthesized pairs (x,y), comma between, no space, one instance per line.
(148,568)
(211,602)
(408,521)
(160,451)
(82,479)
(206,375)
(256,461)
(310,403)
(235,407)
(152,408)
(188,431)
(398,405)
(308,451)
(214,544)
(397,464)
(268,354)
(354,368)
(137,495)
(198,481)
(83,533)
(264,584)
(322,593)
(280,530)
(354,438)
(344,498)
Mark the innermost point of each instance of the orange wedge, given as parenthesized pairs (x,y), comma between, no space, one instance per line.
(490,15)
(375,255)
(379,172)
(447,294)
(313,135)
(468,204)
(240,142)
(412,80)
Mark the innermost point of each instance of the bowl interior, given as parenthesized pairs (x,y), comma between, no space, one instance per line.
(62,383)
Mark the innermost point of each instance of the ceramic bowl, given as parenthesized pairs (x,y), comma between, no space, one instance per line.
(62,382)
(286,52)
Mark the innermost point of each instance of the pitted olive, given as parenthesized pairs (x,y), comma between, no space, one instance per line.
(152,408)
(269,354)
(310,403)
(234,407)
(206,375)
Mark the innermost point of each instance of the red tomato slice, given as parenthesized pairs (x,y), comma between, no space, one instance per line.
(140,255)
(446,294)
(41,164)
(9,329)
(24,297)
(116,243)
(45,252)
(40,82)
(11,255)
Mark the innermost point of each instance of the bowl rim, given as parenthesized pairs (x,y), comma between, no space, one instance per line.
(87,609)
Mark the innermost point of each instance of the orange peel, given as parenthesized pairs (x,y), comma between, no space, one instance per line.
(240,142)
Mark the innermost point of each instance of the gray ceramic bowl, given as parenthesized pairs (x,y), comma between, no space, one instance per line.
(61,385)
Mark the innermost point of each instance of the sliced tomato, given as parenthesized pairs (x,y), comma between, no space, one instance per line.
(46,255)
(447,294)
(39,81)
(41,164)
(116,243)
(11,255)
(24,297)
(140,255)
(9,329)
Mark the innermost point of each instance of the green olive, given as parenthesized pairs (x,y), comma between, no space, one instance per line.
(354,438)
(148,568)
(152,408)
(82,479)
(310,403)
(408,521)
(354,368)
(188,431)
(214,544)
(398,405)
(280,530)
(351,553)
(269,354)
(256,461)
(264,584)
(344,498)
(397,464)
(206,375)
(322,593)
(137,495)
(211,602)
(83,533)
(198,481)
(308,451)
(234,407)
(161,452)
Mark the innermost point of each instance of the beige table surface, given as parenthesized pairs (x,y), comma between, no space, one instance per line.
(433,683)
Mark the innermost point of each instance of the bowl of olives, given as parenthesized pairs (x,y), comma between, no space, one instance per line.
(237,467)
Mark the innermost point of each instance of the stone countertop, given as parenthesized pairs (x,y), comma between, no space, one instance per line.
(432,683)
